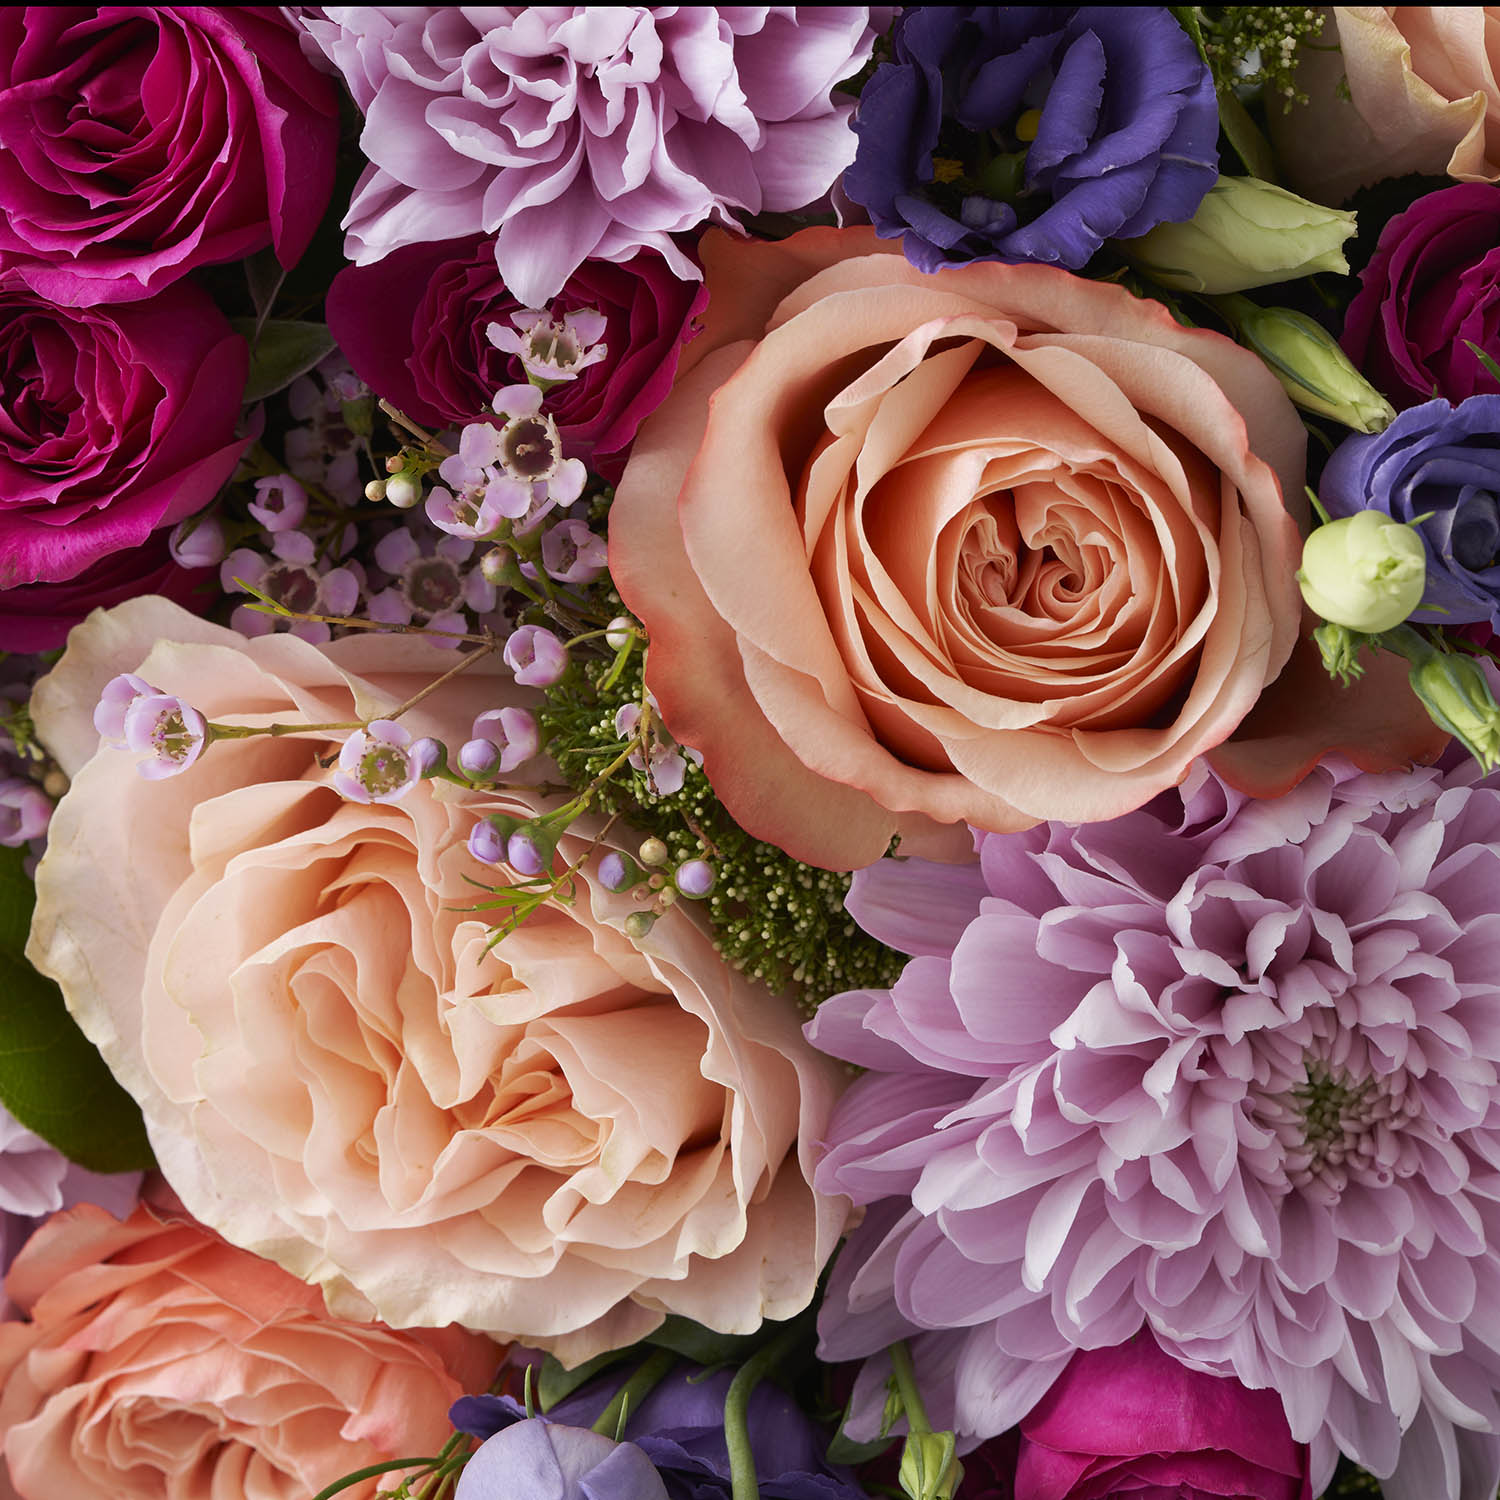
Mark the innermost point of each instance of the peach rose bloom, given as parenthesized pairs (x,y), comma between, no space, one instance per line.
(1423,96)
(989,546)
(562,1139)
(163,1364)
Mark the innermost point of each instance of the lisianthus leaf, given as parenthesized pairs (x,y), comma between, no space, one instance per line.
(51,1077)
(282,349)
(263,277)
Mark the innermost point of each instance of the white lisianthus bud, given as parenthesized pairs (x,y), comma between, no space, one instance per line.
(1245,233)
(1365,571)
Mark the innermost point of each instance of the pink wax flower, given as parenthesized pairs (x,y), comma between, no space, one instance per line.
(588,132)
(138,142)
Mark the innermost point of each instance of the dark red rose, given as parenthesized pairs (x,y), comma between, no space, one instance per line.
(413,326)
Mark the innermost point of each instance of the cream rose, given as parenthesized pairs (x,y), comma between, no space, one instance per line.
(1393,89)
(160,1363)
(989,546)
(561,1139)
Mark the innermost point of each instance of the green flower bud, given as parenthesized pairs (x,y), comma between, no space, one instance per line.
(1365,571)
(1308,362)
(930,1469)
(1340,648)
(1458,698)
(1245,233)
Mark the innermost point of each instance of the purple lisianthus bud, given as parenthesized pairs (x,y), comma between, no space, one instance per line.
(486,844)
(541,1460)
(522,854)
(280,503)
(378,763)
(197,543)
(170,732)
(25,811)
(1054,93)
(536,656)
(512,731)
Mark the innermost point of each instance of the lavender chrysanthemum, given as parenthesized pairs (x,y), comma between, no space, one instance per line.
(1228,1069)
(588,131)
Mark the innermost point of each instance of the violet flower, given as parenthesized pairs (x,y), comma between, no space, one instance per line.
(1024,132)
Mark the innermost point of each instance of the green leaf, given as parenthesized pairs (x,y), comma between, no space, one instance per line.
(844,1450)
(51,1077)
(554,1383)
(280,352)
(1483,358)
(703,1346)
(1245,136)
(1186,17)
(263,278)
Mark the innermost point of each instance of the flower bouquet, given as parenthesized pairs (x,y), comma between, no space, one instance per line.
(749,751)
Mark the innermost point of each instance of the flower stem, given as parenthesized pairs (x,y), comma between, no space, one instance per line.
(906,1385)
(390,1466)
(737,1408)
(635,1390)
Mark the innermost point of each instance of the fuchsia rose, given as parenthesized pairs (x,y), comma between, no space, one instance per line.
(337,1069)
(1131,1420)
(138,142)
(160,1363)
(1431,289)
(413,326)
(118,421)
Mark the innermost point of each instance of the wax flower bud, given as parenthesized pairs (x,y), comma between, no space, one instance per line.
(1312,369)
(403,491)
(1365,571)
(1457,695)
(1245,233)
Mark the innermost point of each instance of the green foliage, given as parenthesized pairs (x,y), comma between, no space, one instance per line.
(280,351)
(779,921)
(51,1077)
(1255,46)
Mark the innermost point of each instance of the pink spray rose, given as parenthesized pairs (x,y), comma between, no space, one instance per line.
(1133,1420)
(338,1072)
(994,545)
(140,141)
(1431,289)
(1393,89)
(120,422)
(413,326)
(162,1364)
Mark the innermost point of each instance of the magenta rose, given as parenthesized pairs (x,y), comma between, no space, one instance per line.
(38,616)
(1133,1420)
(413,326)
(114,423)
(140,141)
(1431,289)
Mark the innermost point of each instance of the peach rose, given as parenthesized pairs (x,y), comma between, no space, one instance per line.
(993,546)
(163,1364)
(562,1139)
(1423,95)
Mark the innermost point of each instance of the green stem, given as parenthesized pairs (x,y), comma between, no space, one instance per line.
(390,1466)
(635,1390)
(906,1385)
(737,1408)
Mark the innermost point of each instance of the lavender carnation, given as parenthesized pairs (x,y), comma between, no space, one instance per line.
(588,131)
(1229,1069)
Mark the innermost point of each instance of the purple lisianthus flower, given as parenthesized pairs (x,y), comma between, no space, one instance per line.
(1023,132)
(1226,1069)
(1442,462)
(591,131)
(679,1427)
(539,1460)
